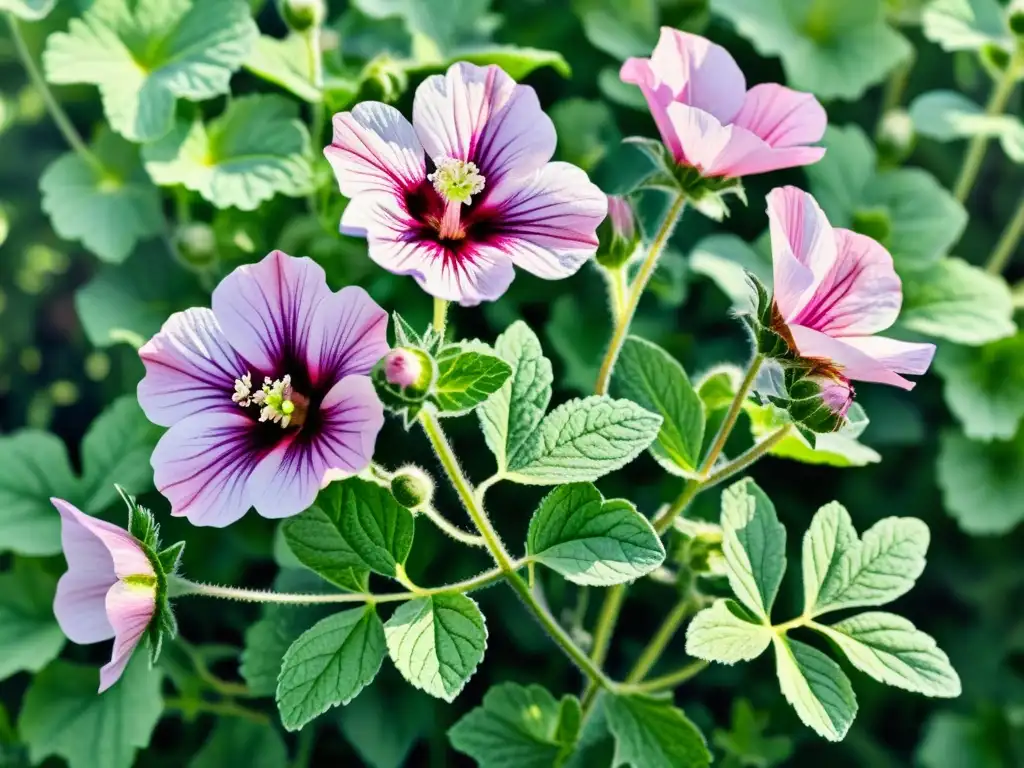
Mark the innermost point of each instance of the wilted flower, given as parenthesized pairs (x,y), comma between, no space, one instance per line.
(710,121)
(265,393)
(484,198)
(833,289)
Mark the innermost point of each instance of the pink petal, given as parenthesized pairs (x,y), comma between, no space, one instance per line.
(781,116)
(266,309)
(547,224)
(375,150)
(480,114)
(358,216)
(659,96)
(202,465)
(190,368)
(854,362)
(899,356)
(349,336)
(124,552)
(287,481)
(803,247)
(860,294)
(130,608)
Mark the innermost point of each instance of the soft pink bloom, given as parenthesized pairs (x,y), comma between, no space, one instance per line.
(109,590)
(834,289)
(620,213)
(710,121)
(464,192)
(265,393)
(402,368)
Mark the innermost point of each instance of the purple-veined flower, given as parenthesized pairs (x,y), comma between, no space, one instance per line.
(264,394)
(710,121)
(109,590)
(835,289)
(464,192)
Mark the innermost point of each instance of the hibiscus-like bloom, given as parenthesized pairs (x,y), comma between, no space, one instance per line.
(109,590)
(710,121)
(465,192)
(265,393)
(834,289)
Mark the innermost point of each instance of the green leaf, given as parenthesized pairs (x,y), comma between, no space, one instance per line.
(893,651)
(815,687)
(145,55)
(982,485)
(516,727)
(329,665)
(29,635)
(229,163)
(957,741)
(839,179)
(721,633)
(235,741)
(383,726)
(110,209)
(726,260)
(591,541)
(28,10)
(754,544)
(583,440)
(830,535)
(746,742)
(437,642)
(949,115)
(516,60)
(512,414)
(62,715)
(587,131)
(286,63)
(355,524)
(835,449)
(959,302)
(620,29)
(33,467)
(965,25)
(651,733)
(651,378)
(984,386)
(466,377)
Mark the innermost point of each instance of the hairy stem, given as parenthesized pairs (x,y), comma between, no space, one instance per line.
(1008,242)
(606,623)
(682,610)
(440,316)
(666,682)
(450,529)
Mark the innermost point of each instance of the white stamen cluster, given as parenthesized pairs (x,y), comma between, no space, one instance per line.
(457,180)
(273,399)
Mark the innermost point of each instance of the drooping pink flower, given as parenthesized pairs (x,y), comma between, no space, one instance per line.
(464,192)
(710,121)
(109,590)
(265,393)
(835,289)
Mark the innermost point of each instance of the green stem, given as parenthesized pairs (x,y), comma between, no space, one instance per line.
(636,290)
(735,409)
(454,531)
(666,682)
(1008,243)
(661,639)
(203,672)
(440,316)
(605,627)
(67,128)
(895,87)
(189,708)
(746,458)
(304,749)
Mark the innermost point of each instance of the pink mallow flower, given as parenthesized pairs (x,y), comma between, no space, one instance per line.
(265,393)
(109,590)
(465,192)
(710,121)
(834,289)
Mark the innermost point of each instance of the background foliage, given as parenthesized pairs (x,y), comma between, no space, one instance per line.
(95,255)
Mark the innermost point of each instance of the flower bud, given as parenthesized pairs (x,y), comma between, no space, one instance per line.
(197,244)
(403,379)
(896,137)
(302,15)
(412,487)
(618,234)
(820,402)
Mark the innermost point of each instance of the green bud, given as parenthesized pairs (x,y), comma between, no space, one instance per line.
(896,137)
(197,244)
(403,379)
(302,15)
(412,487)
(1016,22)
(819,403)
(618,234)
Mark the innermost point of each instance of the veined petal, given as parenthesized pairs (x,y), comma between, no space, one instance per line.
(124,553)
(202,465)
(266,309)
(547,224)
(854,362)
(288,479)
(480,115)
(190,368)
(375,150)
(636,71)
(349,336)
(782,117)
(900,356)
(861,294)
(130,608)
(803,247)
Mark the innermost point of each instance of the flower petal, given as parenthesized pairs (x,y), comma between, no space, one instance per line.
(900,356)
(548,224)
(638,72)
(375,150)
(266,310)
(803,247)
(349,336)
(480,114)
(854,362)
(859,295)
(130,608)
(190,368)
(202,465)
(124,552)
(781,116)
(287,481)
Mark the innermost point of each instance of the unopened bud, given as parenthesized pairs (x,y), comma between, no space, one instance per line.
(618,234)
(301,15)
(197,244)
(403,379)
(820,403)
(896,136)
(405,368)
(412,487)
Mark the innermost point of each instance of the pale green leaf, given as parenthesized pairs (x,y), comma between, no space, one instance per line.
(830,535)
(982,485)
(437,642)
(591,541)
(651,733)
(754,544)
(286,63)
(466,378)
(839,179)
(29,634)
(836,449)
(587,131)
(28,10)
(721,634)
(620,29)
(33,467)
(230,164)
(965,25)
(815,687)
(984,386)
(235,741)
(893,651)
(329,665)
(726,259)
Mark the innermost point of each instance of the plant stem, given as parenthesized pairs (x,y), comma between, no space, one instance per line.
(617,289)
(735,408)
(304,749)
(895,86)
(661,639)
(454,531)
(606,623)
(746,458)
(636,290)
(440,316)
(979,143)
(189,708)
(203,672)
(1008,243)
(67,128)
(664,521)
(666,682)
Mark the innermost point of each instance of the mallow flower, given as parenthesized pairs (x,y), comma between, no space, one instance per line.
(465,192)
(708,119)
(835,289)
(265,394)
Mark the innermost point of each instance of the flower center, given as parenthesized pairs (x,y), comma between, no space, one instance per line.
(276,400)
(456,181)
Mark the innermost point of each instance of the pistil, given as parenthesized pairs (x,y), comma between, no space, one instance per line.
(456,181)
